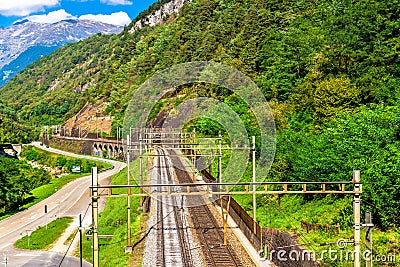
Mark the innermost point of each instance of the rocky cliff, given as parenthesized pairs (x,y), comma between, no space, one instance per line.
(159,15)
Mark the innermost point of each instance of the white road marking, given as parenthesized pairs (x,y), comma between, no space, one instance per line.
(27,255)
(5,245)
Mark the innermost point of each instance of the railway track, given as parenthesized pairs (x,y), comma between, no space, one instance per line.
(207,229)
(173,246)
(211,237)
(172,242)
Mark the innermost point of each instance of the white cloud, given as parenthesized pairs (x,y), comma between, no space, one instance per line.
(116,2)
(118,18)
(52,17)
(25,7)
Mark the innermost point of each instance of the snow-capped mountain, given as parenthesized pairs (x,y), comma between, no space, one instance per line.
(26,41)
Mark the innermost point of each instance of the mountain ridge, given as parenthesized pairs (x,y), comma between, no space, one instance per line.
(19,37)
(288,53)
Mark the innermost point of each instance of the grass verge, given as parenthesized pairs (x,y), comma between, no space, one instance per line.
(330,211)
(42,238)
(113,221)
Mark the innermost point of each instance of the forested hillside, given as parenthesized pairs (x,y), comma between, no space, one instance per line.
(11,131)
(330,69)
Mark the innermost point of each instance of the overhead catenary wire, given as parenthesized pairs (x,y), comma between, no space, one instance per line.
(72,241)
(382,210)
(146,233)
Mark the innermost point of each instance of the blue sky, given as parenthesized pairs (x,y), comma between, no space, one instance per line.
(117,12)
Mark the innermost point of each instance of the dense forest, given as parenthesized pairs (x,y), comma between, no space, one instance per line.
(12,131)
(18,177)
(329,69)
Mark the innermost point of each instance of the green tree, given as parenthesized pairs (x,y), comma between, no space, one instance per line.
(366,141)
(334,96)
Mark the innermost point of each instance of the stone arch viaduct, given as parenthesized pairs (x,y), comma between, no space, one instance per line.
(108,148)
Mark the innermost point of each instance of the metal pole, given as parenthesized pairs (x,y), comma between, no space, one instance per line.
(80,240)
(95,218)
(210,166)
(194,148)
(357,225)
(128,141)
(220,158)
(45,212)
(141,167)
(225,215)
(368,238)
(194,157)
(254,186)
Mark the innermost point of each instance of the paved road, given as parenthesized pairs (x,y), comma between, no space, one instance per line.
(72,200)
